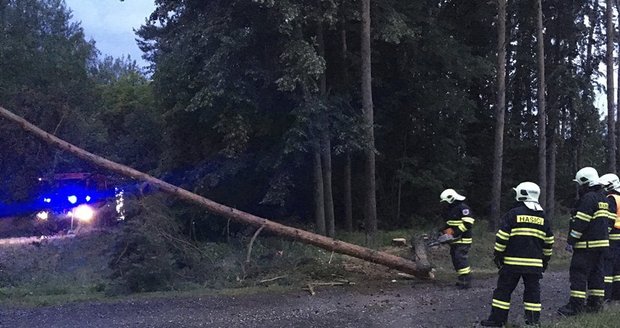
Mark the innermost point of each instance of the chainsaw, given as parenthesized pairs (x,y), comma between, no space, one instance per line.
(444,237)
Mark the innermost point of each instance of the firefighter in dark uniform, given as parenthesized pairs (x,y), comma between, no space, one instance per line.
(588,239)
(458,232)
(523,247)
(611,184)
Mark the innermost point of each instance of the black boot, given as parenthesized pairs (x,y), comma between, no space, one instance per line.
(497,318)
(464,281)
(574,307)
(594,304)
(532,318)
(491,323)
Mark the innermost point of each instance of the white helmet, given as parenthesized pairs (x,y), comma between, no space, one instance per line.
(587,175)
(527,192)
(449,196)
(610,182)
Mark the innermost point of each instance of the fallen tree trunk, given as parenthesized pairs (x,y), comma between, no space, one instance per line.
(330,244)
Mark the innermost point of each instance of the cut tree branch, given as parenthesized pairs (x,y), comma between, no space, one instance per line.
(420,270)
(247,258)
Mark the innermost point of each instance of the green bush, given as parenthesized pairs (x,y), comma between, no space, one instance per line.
(142,256)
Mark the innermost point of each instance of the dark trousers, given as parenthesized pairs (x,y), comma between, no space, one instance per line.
(612,271)
(586,275)
(458,252)
(506,284)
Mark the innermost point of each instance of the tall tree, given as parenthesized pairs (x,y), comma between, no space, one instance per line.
(617,125)
(326,153)
(500,107)
(370,208)
(542,114)
(130,118)
(611,115)
(44,73)
(344,75)
(318,192)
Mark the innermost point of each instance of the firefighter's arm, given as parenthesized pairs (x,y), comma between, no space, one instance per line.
(501,239)
(548,246)
(580,221)
(466,221)
(612,212)
(454,227)
(458,230)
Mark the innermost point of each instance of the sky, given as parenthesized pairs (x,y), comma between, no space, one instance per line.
(111,23)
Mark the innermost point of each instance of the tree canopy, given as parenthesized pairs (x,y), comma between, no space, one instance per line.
(242,95)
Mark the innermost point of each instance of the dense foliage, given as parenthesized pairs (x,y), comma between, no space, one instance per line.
(243,94)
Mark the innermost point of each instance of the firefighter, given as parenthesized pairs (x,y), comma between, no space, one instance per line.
(588,240)
(523,247)
(458,232)
(611,184)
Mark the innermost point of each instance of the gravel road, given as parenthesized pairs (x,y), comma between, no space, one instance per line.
(400,304)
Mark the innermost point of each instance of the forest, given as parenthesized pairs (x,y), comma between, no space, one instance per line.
(333,115)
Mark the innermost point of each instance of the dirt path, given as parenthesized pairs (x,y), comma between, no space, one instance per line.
(401,304)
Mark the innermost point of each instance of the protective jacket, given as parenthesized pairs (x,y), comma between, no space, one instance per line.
(589,226)
(459,218)
(614,220)
(611,266)
(524,242)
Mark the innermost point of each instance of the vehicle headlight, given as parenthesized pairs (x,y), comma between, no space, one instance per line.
(72,199)
(84,213)
(43,215)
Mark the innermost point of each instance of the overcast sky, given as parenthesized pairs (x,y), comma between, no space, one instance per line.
(111,23)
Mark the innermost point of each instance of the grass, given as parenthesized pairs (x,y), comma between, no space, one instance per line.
(76,270)
(608,318)
(57,274)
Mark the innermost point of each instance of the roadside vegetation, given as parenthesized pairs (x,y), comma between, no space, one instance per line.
(150,254)
(608,318)
(140,259)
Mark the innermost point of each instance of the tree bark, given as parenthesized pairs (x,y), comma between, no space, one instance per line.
(399,188)
(420,270)
(588,68)
(348,199)
(550,209)
(326,157)
(617,125)
(611,107)
(500,108)
(319,198)
(542,114)
(326,154)
(370,208)
(553,130)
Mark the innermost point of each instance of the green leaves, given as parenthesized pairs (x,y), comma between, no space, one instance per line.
(44,76)
(302,67)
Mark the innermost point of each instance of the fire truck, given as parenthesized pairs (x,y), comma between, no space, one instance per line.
(67,201)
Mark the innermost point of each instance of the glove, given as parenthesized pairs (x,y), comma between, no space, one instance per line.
(545,265)
(569,248)
(499,261)
(571,240)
